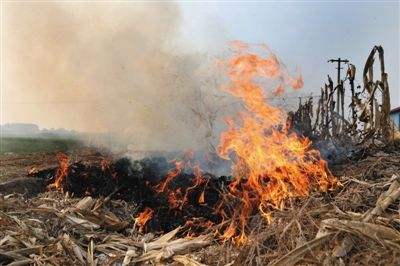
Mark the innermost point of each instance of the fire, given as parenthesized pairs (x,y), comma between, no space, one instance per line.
(62,171)
(174,198)
(177,198)
(144,217)
(198,180)
(270,163)
(202,198)
(170,176)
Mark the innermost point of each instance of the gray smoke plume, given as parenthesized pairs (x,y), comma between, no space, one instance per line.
(106,68)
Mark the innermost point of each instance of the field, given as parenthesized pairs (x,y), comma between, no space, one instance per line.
(22,145)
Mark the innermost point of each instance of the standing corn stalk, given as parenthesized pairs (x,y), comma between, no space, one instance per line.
(351,73)
(378,121)
(330,120)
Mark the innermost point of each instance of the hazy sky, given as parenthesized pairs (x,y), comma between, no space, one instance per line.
(82,65)
(304,34)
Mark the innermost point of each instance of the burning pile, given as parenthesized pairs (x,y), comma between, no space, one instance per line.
(271,164)
(166,198)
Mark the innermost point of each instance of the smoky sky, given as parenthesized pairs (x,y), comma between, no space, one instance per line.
(102,68)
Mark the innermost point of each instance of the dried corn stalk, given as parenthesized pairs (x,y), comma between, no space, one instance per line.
(366,108)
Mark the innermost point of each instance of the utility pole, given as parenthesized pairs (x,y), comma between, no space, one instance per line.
(338,61)
(340,91)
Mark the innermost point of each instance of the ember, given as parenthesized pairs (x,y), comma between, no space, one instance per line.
(144,217)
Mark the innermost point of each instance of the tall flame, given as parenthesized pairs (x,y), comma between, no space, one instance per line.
(270,163)
(170,176)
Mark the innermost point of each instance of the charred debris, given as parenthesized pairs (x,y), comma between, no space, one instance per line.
(172,196)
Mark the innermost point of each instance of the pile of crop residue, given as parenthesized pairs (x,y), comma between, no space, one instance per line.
(358,223)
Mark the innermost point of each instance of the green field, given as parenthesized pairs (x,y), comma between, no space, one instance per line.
(20,145)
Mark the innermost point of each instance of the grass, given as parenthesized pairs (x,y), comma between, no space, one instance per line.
(21,145)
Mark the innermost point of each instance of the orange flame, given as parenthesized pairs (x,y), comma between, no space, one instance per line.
(144,217)
(271,164)
(176,198)
(62,171)
(202,198)
(170,176)
(197,181)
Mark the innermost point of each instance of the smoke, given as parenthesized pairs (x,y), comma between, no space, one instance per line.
(103,68)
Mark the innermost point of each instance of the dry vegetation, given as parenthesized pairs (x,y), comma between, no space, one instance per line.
(358,223)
